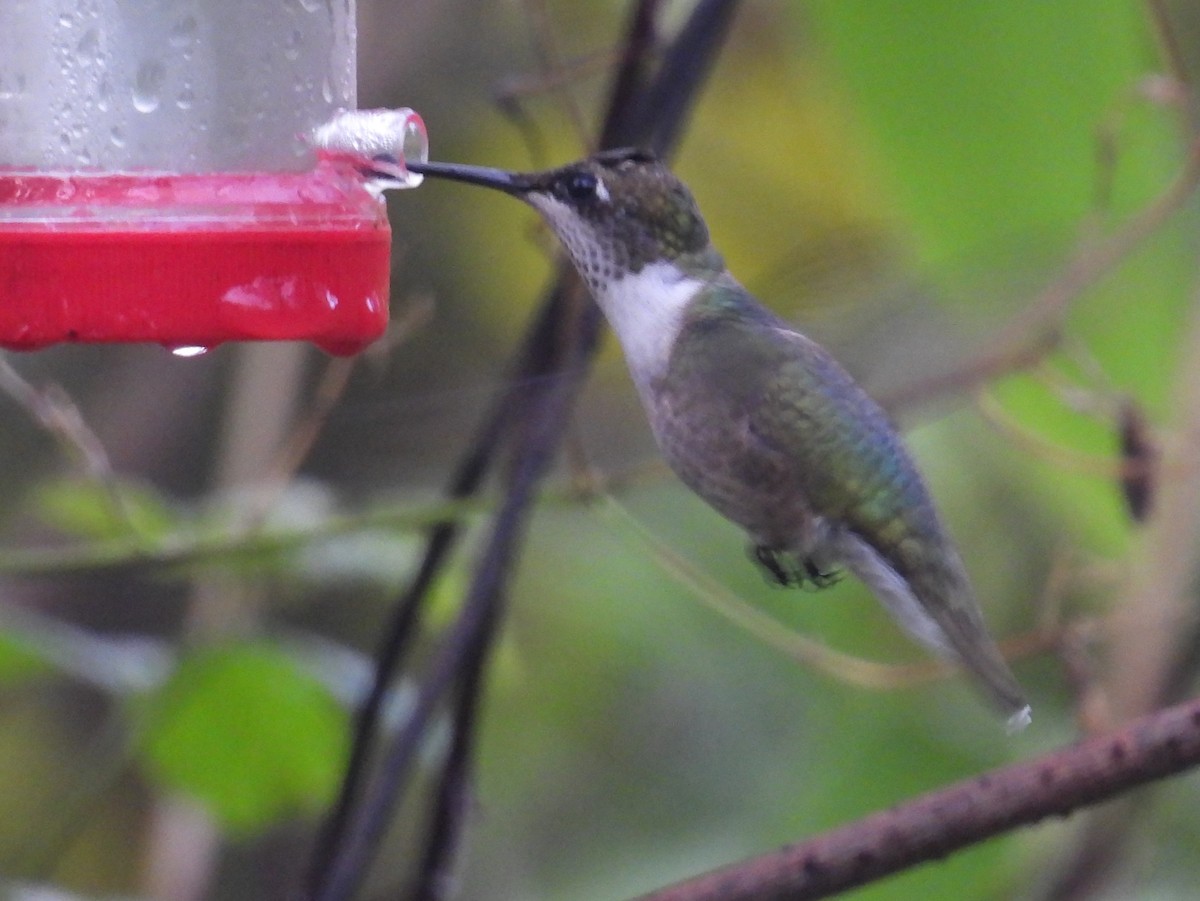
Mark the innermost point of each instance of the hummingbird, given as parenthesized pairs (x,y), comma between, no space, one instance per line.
(756,418)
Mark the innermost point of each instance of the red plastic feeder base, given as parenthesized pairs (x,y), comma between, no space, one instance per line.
(192,261)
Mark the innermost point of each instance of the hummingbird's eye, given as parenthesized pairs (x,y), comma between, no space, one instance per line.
(580,185)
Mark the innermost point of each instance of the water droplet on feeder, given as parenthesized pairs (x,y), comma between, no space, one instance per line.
(189,350)
(147,84)
(183,32)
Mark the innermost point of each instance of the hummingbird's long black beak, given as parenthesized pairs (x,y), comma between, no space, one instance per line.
(500,179)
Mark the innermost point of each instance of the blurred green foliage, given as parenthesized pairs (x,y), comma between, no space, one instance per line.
(245,731)
(984,118)
(18,661)
(94,510)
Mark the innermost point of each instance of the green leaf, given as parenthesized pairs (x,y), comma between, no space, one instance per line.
(984,115)
(91,509)
(248,733)
(18,660)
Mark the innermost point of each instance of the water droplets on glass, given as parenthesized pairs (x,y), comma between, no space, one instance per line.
(183,33)
(13,87)
(89,44)
(282,66)
(147,85)
(291,47)
(103,93)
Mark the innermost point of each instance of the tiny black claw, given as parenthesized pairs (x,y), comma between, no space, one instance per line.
(773,570)
(817,577)
(781,568)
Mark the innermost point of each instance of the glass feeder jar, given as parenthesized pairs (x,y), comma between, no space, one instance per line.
(157,181)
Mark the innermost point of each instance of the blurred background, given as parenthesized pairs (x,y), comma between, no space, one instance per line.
(905,182)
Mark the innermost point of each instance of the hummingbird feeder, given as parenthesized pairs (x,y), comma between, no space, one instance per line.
(187,176)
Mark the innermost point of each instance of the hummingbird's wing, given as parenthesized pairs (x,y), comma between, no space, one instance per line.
(765,425)
(882,521)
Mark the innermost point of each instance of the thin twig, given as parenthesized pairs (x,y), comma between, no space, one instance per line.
(1034,332)
(466,481)
(641,32)
(443,837)
(1152,663)
(53,409)
(1018,434)
(551,60)
(481,609)
(1169,47)
(1149,663)
(489,593)
(808,652)
(213,545)
(659,117)
(364,829)
(949,819)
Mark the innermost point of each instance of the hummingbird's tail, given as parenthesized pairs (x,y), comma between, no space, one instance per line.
(942,614)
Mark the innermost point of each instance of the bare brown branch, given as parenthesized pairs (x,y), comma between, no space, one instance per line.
(944,821)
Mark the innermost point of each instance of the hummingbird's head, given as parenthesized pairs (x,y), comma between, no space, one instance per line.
(616,212)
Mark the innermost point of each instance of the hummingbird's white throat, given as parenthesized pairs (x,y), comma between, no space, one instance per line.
(644,308)
(646,311)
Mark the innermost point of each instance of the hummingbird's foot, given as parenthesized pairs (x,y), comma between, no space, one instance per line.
(772,565)
(819,578)
(784,569)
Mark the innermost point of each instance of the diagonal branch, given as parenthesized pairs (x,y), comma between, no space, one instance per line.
(468,478)
(649,113)
(535,408)
(1036,330)
(465,645)
(930,827)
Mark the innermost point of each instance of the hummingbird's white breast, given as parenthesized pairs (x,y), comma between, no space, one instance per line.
(646,310)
